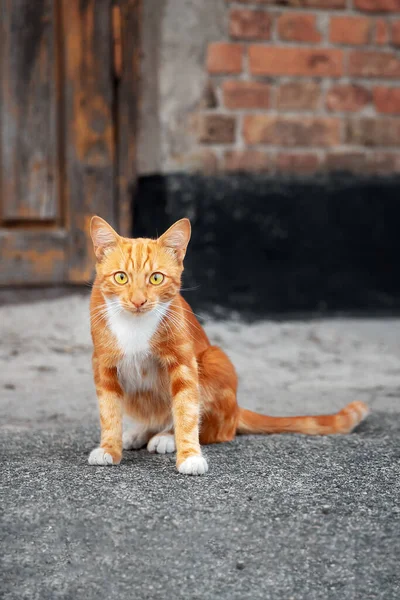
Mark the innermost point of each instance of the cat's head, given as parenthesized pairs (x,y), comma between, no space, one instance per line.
(140,274)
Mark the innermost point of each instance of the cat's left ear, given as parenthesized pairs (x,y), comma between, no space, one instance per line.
(103,236)
(177,238)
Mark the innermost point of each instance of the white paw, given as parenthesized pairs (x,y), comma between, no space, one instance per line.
(99,457)
(163,443)
(194,465)
(133,440)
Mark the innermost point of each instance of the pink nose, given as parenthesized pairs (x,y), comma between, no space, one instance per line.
(138,304)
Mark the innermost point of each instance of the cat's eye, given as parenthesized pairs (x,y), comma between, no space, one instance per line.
(121,278)
(156,278)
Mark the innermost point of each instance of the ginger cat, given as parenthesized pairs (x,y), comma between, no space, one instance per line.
(153,361)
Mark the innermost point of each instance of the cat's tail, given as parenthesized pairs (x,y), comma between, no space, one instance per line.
(342,422)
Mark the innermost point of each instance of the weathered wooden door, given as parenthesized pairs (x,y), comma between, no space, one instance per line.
(67,120)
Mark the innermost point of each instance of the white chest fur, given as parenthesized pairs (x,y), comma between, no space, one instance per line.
(138,369)
(138,373)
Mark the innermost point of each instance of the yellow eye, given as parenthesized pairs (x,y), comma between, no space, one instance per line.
(121,278)
(156,278)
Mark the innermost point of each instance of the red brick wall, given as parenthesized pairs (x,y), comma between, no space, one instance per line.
(302,86)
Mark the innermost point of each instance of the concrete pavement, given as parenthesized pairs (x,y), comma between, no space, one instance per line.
(276,516)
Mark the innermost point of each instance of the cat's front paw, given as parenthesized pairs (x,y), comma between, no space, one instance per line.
(100,456)
(193,465)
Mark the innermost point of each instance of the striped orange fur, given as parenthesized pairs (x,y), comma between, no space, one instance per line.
(153,362)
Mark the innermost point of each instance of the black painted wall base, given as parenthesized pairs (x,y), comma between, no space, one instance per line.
(264,246)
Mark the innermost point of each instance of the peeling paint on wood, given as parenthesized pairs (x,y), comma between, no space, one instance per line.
(89,125)
(28,132)
(117,40)
(29,257)
(127,109)
(67,142)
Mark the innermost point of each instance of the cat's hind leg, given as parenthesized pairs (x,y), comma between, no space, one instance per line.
(135,436)
(162,443)
(218,385)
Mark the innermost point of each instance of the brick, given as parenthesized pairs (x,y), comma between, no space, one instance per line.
(251,1)
(216,129)
(296,3)
(245,94)
(298,96)
(387,100)
(291,131)
(381,32)
(384,163)
(209,97)
(297,163)
(246,160)
(327,4)
(377,163)
(373,64)
(396,33)
(224,58)
(373,132)
(295,27)
(204,161)
(314,3)
(250,25)
(378,6)
(354,31)
(346,161)
(347,98)
(272,60)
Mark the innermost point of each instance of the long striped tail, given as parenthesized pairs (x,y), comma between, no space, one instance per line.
(342,422)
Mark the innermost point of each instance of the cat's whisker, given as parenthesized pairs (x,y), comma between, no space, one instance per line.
(191,312)
(98,313)
(97,318)
(190,289)
(112,308)
(164,320)
(177,316)
(179,326)
(167,325)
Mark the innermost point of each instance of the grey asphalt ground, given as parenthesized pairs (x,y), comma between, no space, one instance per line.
(285,517)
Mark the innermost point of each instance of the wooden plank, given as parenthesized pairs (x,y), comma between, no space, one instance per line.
(127,54)
(28,144)
(89,126)
(32,256)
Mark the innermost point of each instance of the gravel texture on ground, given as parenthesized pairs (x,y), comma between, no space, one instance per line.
(285,517)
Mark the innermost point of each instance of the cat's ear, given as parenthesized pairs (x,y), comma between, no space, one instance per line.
(103,235)
(177,238)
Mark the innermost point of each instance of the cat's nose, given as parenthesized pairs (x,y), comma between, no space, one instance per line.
(138,304)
